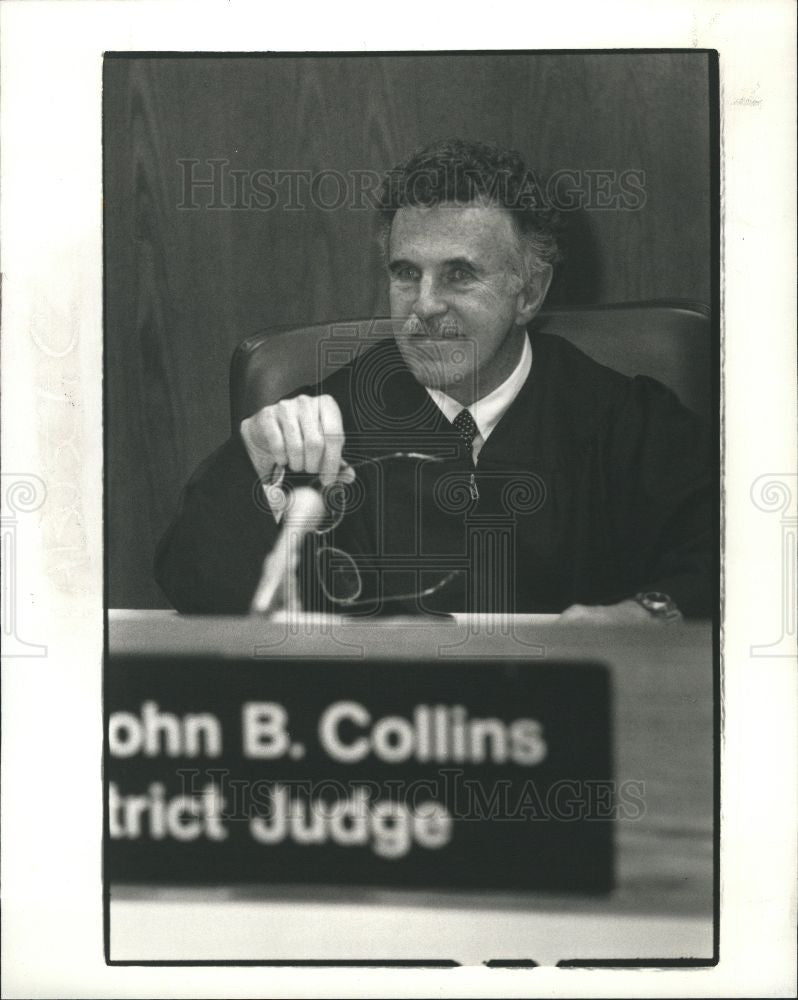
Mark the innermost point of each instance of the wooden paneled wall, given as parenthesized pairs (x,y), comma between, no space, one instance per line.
(183,285)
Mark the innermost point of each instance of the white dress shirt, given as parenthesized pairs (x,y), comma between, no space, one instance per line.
(489,410)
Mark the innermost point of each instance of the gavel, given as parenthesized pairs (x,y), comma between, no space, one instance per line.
(279,586)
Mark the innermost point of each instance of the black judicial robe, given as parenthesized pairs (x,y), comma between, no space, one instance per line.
(592,487)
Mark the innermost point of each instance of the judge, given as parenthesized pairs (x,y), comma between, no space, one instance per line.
(471,463)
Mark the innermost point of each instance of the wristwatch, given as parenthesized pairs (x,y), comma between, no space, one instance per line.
(658,605)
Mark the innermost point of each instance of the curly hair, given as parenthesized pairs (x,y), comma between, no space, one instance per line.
(456,171)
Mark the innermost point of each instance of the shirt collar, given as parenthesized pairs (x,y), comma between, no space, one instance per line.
(489,410)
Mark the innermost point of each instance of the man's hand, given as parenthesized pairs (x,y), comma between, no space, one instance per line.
(624,613)
(304,434)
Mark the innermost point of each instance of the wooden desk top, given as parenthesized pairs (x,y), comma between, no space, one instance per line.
(663,685)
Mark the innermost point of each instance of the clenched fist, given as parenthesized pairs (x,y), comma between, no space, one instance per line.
(304,434)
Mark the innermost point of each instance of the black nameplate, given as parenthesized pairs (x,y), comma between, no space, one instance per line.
(446,774)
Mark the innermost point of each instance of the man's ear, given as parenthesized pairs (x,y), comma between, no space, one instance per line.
(533,294)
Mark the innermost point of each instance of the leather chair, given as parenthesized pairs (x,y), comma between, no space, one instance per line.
(667,340)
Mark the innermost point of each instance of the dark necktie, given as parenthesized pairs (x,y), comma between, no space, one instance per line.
(466,427)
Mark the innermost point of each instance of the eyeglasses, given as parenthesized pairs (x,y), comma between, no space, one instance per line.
(339,575)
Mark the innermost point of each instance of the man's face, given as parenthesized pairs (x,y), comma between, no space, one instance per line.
(458,298)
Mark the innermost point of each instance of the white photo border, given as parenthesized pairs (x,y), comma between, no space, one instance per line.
(52,336)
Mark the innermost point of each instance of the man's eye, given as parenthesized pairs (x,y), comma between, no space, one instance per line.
(460,274)
(406,274)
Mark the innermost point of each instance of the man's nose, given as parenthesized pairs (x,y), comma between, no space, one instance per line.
(430,302)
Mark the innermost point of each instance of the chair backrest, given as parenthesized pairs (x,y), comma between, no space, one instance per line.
(669,341)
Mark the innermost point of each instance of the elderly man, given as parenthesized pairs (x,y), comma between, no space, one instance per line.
(473,463)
